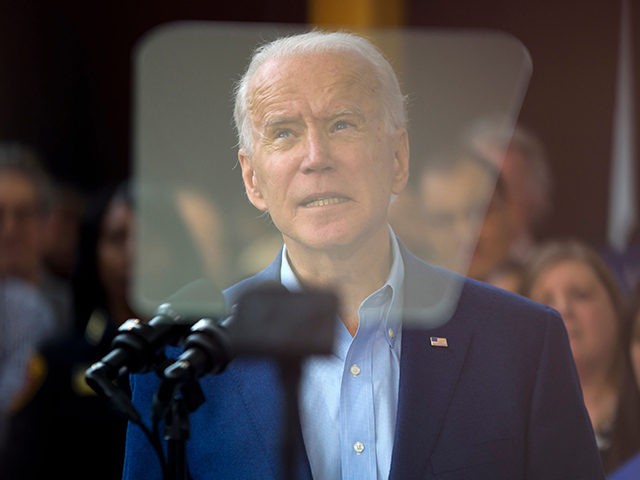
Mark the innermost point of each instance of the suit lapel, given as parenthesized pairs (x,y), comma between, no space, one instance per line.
(428,374)
(263,395)
(260,387)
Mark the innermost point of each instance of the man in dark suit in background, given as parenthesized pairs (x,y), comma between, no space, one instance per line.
(490,392)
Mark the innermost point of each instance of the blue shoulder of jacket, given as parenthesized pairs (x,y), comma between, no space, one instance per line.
(270,274)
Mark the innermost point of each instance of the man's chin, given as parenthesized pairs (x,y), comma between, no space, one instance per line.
(325,240)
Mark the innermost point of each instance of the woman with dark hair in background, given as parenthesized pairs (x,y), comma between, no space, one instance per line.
(572,278)
(630,470)
(62,427)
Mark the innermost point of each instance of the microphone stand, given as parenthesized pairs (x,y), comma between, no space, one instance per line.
(287,326)
(176,434)
(290,370)
(174,401)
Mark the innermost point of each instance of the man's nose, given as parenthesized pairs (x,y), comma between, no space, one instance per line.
(318,153)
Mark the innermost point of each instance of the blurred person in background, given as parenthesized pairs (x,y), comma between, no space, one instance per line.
(630,470)
(626,264)
(60,426)
(25,206)
(572,278)
(26,318)
(507,275)
(520,156)
(462,200)
(63,230)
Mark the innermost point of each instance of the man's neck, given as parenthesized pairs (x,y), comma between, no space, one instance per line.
(353,273)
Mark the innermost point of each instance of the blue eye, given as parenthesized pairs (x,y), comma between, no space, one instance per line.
(283,133)
(341,125)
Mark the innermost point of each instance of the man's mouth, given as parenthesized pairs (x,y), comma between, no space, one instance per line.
(323,202)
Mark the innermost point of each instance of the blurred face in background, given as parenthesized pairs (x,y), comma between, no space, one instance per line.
(573,288)
(494,239)
(467,224)
(22,227)
(454,203)
(63,231)
(115,250)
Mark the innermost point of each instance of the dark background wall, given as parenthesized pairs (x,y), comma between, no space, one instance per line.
(65,73)
(65,77)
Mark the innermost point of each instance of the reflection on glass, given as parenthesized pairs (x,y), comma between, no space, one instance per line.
(195,219)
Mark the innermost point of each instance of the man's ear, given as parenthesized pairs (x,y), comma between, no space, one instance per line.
(251,181)
(400,161)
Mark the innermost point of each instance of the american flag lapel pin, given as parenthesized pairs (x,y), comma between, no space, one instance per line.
(438,342)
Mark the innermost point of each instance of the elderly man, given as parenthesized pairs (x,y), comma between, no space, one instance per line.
(490,394)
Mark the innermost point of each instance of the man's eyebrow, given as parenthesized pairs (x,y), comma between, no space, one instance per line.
(276,120)
(345,112)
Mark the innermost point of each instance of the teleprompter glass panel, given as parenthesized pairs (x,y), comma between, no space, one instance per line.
(194,219)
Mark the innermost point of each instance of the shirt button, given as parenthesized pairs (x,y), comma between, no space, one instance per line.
(358,447)
(355,370)
(391,333)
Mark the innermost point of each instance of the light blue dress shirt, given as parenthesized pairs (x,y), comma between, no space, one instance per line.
(348,400)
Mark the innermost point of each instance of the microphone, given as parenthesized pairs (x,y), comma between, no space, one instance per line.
(211,345)
(208,349)
(267,320)
(136,342)
(135,348)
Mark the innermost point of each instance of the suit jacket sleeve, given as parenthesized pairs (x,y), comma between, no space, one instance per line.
(561,442)
(502,401)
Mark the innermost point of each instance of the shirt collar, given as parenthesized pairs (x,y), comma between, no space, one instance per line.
(394,282)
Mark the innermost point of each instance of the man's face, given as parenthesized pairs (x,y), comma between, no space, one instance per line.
(467,223)
(323,164)
(22,225)
(454,203)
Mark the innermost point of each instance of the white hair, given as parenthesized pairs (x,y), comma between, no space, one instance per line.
(393,102)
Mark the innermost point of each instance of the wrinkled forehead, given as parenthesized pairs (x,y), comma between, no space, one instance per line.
(318,75)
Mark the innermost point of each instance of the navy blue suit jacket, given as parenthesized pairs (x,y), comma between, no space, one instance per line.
(502,401)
